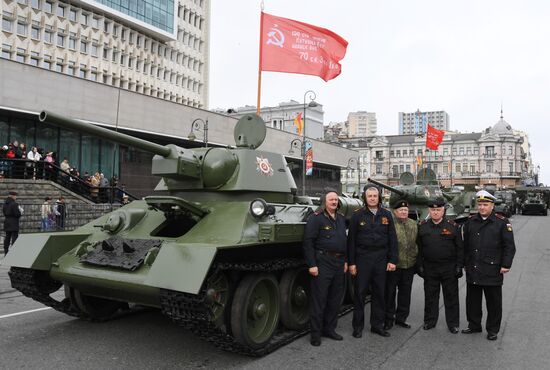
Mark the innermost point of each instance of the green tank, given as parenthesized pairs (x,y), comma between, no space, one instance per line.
(217,247)
(419,193)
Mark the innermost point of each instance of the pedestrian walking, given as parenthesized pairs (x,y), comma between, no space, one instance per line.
(399,282)
(12,213)
(489,251)
(440,263)
(45,213)
(325,255)
(372,251)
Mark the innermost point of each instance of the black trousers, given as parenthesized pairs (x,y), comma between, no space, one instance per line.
(399,283)
(327,290)
(493,299)
(433,282)
(10,238)
(371,271)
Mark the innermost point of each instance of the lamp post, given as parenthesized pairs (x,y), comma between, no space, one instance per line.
(353,163)
(300,144)
(311,95)
(195,126)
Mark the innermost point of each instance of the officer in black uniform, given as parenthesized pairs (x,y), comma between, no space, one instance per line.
(440,262)
(372,250)
(489,250)
(325,255)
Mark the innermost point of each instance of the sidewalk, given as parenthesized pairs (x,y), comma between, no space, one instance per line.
(5,285)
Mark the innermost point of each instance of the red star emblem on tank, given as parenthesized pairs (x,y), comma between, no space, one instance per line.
(263,166)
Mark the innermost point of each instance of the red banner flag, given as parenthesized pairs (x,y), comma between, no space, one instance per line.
(291,46)
(434,137)
(299,123)
(309,158)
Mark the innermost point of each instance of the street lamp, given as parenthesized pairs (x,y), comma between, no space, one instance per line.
(353,163)
(195,126)
(300,144)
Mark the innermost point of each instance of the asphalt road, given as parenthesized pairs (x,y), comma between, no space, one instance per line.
(46,339)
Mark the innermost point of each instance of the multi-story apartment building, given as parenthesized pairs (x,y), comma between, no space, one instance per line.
(361,124)
(417,122)
(158,48)
(283,115)
(494,156)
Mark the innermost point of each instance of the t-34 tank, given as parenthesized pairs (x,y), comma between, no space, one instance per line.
(217,247)
(418,194)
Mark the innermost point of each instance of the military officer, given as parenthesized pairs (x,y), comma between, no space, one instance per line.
(399,282)
(489,250)
(440,262)
(325,254)
(372,250)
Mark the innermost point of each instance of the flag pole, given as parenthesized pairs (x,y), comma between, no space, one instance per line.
(260,59)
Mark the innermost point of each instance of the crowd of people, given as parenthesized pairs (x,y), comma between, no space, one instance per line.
(37,163)
(384,250)
(53,214)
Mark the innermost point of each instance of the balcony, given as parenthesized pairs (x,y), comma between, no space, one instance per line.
(489,155)
(378,159)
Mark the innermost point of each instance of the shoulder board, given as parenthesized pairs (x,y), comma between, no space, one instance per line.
(452,222)
(358,209)
(498,215)
(317,213)
(423,222)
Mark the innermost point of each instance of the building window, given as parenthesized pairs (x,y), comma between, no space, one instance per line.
(21,28)
(489,151)
(6,25)
(106,51)
(48,36)
(48,7)
(95,22)
(72,15)
(472,169)
(47,64)
(468,151)
(35,4)
(489,167)
(60,11)
(461,150)
(35,32)
(95,48)
(93,74)
(59,67)
(72,43)
(84,19)
(35,59)
(392,153)
(476,150)
(60,40)
(457,168)
(82,73)
(378,169)
(6,51)
(445,168)
(71,68)
(511,167)
(83,46)
(510,150)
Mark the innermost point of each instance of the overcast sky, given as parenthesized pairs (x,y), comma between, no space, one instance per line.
(464,57)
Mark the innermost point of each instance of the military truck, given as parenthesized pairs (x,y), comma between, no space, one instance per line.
(534,205)
(217,247)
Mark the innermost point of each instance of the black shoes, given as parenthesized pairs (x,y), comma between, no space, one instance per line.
(492,336)
(333,335)
(357,333)
(471,331)
(453,329)
(428,326)
(388,325)
(403,324)
(315,342)
(380,332)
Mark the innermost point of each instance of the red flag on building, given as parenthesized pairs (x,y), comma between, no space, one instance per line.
(434,137)
(291,46)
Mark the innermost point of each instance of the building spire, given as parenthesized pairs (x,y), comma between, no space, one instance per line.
(501,114)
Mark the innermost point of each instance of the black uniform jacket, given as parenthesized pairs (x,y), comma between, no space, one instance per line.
(488,246)
(324,233)
(369,232)
(440,244)
(12,214)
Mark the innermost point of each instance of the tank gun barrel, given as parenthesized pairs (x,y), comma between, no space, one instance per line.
(104,133)
(401,193)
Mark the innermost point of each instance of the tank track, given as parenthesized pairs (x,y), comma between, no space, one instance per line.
(38,285)
(191,312)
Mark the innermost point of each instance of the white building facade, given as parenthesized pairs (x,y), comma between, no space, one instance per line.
(361,124)
(417,122)
(158,48)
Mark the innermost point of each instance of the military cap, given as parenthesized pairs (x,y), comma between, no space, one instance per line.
(400,204)
(12,193)
(484,196)
(436,203)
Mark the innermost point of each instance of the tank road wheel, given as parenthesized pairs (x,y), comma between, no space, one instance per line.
(97,309)
(217,297)
(255,310)
(294,290)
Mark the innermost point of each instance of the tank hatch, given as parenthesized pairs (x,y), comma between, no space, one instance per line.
(250,131)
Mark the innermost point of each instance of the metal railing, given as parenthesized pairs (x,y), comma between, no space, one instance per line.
(41,170)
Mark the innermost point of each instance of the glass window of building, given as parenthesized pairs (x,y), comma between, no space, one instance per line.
(48,7)
(60,11)
(35,59)
(469,150)
(72,43)
(476,150)
(6,51)
(48,36)
(47,64)
(47,140)
(60,40)
(4,130)
(94,49)
(35,32)
(511,167)
(72,14)
(84,18)
(21,28)
(20,57)
(82,73)
(489,167)
(510,150)
(7,25)
(106,25)
(95,22)
(472,169)
(35,4)
(22,130)
(445,168)
(58,67)
(461,150)
(93,75)
(90,152)
(83,46)
(71,69)
(106,51)
(458,168)
(378,169)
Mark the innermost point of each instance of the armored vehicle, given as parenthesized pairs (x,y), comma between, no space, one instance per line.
(217,247)
(505,203)
(534,205)
(418,194)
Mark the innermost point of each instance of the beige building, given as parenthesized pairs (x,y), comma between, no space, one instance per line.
(361,124)
(158,48)
(494,156)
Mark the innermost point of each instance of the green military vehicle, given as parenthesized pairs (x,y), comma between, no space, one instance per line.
(505,203)
(534,205)
(217,247)
(419,193)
